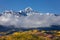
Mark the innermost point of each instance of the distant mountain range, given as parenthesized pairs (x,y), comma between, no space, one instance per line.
(24,13)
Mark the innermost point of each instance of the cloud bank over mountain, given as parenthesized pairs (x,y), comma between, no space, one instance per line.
(32,20)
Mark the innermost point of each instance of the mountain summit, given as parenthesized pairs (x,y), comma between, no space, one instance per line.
(28,9)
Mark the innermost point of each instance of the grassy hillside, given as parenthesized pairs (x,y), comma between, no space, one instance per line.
(32,35)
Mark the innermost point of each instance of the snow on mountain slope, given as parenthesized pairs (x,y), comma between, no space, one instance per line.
(28,18)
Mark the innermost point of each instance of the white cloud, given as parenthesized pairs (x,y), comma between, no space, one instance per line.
(31,21)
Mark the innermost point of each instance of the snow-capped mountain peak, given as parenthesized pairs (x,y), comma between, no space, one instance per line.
(28,9)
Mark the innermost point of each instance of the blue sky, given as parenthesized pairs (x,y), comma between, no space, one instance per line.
(52,6)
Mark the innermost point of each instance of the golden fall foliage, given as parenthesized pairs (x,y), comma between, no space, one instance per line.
(26,35)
